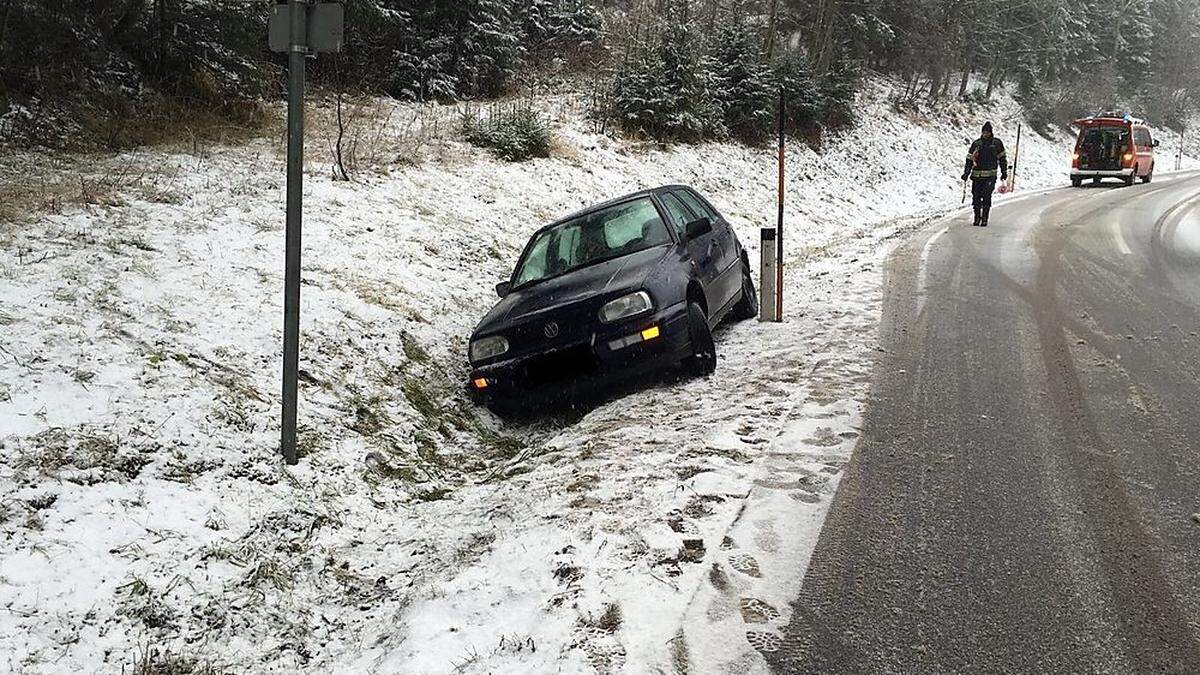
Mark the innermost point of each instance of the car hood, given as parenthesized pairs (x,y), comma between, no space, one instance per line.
(595,282)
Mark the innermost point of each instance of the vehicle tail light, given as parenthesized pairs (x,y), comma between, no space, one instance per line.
(480,383)
(1128,157)
(1075,160)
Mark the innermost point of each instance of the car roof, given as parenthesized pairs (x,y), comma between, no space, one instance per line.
(610,202)
(1108,120)
(1086,121)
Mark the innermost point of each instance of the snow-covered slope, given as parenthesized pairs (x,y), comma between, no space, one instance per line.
(146,512)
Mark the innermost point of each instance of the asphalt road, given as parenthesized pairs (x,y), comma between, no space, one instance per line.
(1026,493)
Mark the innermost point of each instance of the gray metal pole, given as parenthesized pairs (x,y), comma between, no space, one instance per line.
(295,194)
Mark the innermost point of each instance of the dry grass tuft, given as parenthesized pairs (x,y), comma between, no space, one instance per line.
(159,660)
(80,455)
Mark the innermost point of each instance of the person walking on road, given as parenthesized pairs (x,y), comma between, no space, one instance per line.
(984,160)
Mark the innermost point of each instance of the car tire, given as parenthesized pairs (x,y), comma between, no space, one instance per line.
(1148,177)
(703,351)
(747,307)
(1076,182)
(1096,180)
(1131,177)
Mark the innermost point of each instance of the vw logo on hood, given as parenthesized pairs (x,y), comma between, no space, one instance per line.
(550,330)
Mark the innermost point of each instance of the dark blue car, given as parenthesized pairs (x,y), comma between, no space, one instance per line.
(630,285)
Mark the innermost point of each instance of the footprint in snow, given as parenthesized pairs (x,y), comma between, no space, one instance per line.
(757,611)
(763,641)
(746,564)
(806,497)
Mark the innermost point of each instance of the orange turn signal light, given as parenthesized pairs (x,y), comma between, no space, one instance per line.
(650,333)
(480,383)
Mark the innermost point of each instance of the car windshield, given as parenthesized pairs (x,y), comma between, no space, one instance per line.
(594,237)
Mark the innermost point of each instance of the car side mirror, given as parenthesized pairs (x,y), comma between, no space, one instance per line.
(503,288)
(1156,142)
(698,228)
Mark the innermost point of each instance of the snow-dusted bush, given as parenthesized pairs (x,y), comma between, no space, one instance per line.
(514,133)
(665,92)
(838,90)
(801,94)
(675,90)
(104,70)
(425,50)
(744,87)
(570,28)
(74,76)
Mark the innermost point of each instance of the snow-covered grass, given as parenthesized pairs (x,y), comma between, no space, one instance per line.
(145,510)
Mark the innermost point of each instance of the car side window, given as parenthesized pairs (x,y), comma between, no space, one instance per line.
(698,205)
(681,215)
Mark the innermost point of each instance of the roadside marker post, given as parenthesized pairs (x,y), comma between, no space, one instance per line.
(302,29)
(1012,175)
(766,289)
(1179,155)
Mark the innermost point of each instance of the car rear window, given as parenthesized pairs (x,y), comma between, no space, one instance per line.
(592,238)
(1103,136)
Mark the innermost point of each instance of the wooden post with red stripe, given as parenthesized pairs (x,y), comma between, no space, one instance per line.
(779,224)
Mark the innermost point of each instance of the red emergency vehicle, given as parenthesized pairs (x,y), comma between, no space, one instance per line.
(1112,146)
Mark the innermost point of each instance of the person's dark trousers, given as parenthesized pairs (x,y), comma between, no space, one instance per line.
(981,198)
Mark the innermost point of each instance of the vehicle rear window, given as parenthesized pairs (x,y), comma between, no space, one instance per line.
(1093,136)
(592,238)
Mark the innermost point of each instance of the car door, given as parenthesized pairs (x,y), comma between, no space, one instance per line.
(1145,151)
(729,277)
(702,250)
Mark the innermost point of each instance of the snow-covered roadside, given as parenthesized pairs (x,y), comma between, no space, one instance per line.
(145,508)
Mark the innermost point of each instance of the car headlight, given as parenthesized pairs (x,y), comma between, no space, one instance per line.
(626,306)
(488,347)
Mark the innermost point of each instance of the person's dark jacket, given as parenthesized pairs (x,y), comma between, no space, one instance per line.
(986,158)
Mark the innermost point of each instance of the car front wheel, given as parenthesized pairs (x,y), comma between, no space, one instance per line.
(747,307)
(703,358)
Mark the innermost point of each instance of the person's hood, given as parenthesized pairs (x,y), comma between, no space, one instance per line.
(594,284)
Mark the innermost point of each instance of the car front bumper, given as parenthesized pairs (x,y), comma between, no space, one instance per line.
(608,352)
